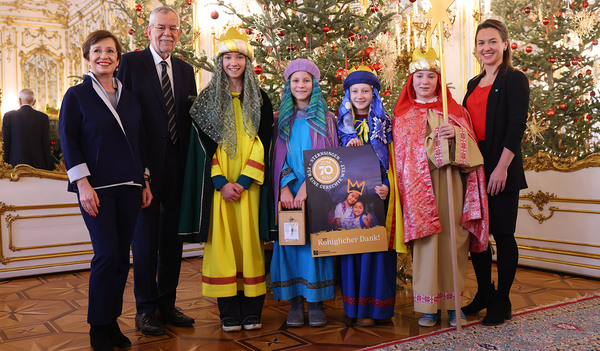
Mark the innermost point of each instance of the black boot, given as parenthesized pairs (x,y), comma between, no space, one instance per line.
(100,338)
(498,311)
(482,300)
(116,336)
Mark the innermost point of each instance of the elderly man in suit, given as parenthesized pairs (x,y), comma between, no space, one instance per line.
(26,134)
(163,85)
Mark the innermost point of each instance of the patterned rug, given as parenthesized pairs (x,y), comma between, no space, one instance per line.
(573,325)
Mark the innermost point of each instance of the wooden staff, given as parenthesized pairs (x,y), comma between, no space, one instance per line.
(440,29)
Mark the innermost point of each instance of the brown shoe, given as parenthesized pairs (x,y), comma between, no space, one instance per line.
(365,322)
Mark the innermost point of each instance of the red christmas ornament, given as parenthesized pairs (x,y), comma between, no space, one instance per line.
(589,117)
(527,10)
(579,59)
(325,29)
(528,49)
(595,42)
(258,70)
(568,64)
(352,37)
(291,47)
(259,37)
(514,46)
(368,51)
(146,34)
(562,106)
(287,1)
(545,21)
(412,1)
(374,8)
(575,120)
(339,74)
(378,66)
(588,71)
(371,67)
(214,15)
(577,101)
(585,4)
(188,2)
(574,62)
(131,31)
(524,69)
(387,93)
(550,113)
(580,75)
(552,60)
(138,8)
(592,93)
(280,32)
(508,16)
(249,31)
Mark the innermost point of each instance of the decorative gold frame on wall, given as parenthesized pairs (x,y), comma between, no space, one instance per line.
(546,162)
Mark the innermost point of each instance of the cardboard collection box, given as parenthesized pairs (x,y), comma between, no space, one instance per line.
(292,226)
(344,242)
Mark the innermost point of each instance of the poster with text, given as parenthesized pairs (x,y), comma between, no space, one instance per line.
(344,212)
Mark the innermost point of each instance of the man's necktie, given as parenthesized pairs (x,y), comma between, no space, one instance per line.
(169,101)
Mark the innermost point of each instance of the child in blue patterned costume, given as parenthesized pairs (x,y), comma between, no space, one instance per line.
(368,279)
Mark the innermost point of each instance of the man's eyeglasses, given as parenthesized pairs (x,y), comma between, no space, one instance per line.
(162,28)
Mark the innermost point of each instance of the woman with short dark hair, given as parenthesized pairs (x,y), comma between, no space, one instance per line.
(101,135)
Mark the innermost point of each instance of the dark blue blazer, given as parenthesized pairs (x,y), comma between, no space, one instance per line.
(138,74)
(505,123)
(26,134)
(90,134)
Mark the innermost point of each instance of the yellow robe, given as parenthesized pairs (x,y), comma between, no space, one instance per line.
(234,255)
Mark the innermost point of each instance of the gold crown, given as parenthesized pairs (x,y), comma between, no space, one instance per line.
(356,187)
(362,68)
(234,41)
(428,61)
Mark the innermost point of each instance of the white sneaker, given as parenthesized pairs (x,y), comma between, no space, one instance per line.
(429,319)
(452,318)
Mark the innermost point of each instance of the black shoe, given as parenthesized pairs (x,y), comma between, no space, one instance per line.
(498,312)
(148,324)
(175,317)
(100,338)
(116,336)
(481,301)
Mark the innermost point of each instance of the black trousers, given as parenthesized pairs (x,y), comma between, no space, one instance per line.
(156,248)
(111,232)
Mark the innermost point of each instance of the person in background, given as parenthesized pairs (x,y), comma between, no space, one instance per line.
(163,85)
(225,173)
(26,134)
(368,279)
(303,123)
(102,138)
(498,101)
(426,148)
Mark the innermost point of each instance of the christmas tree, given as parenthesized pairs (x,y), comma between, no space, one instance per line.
(138,15)
(553,43)
(336,35)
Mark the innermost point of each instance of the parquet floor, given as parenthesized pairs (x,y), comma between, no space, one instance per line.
(49,313)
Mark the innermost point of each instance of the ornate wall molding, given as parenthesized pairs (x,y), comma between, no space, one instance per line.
(14,174)
(541,199)
(546,162)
